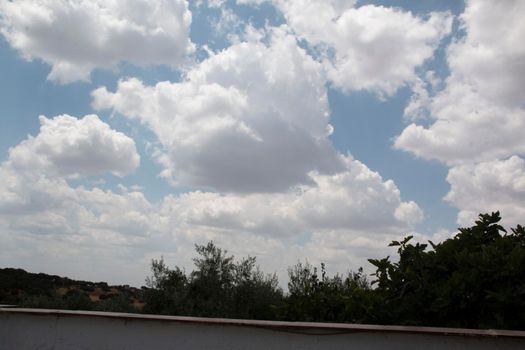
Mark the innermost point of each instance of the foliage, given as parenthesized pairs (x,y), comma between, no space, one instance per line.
(218,287)
(116,303)
(329,299)
(474,280)
(167,290)
(18,287)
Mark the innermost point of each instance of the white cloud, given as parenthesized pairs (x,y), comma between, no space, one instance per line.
(490,57)
(253,117)
(422,88)
(369,47)
(251,121)
(489,186)
(89,233)
(253,113)
(67,146)
(228,23)
(353,199)
(48,225)
(468,129)
(409,212)
(251,2)
(341,219)
(100,234)
(480,114)
(77,36)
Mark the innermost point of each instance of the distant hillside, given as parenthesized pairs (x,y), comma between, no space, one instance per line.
(40,290)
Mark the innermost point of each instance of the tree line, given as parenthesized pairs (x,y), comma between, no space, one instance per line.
(475,279)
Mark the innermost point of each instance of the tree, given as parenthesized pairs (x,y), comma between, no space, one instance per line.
(218,287)
(324,298)
(211,284)
(474,280)
(166,291)
(256,295)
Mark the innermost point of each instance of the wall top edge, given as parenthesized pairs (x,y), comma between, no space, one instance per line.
(299,327)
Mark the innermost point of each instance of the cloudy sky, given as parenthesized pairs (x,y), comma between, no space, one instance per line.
(284,129)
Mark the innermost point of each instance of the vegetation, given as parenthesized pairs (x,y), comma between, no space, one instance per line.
(219,287)
(327,299)
(24,289)
(474,280)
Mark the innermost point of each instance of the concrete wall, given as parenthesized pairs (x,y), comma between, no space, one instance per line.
(52,329)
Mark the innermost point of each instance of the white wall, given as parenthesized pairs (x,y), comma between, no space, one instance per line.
(51,329)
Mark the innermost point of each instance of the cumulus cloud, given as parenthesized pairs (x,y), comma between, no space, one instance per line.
(251,2)
(368,47)
(353,199)
(422,89)
(489,186)
(354,207)
(478,116)
(47,222)
(40,204)
(79,226)
(480,113)
(75,37)
(251,122)
(86,233)
(251,118)
(490,56)
(69,147)
(44,221)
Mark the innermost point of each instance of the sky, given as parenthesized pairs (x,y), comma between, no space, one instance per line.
(286,130)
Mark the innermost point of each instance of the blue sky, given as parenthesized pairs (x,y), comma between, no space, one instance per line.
(281,129)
